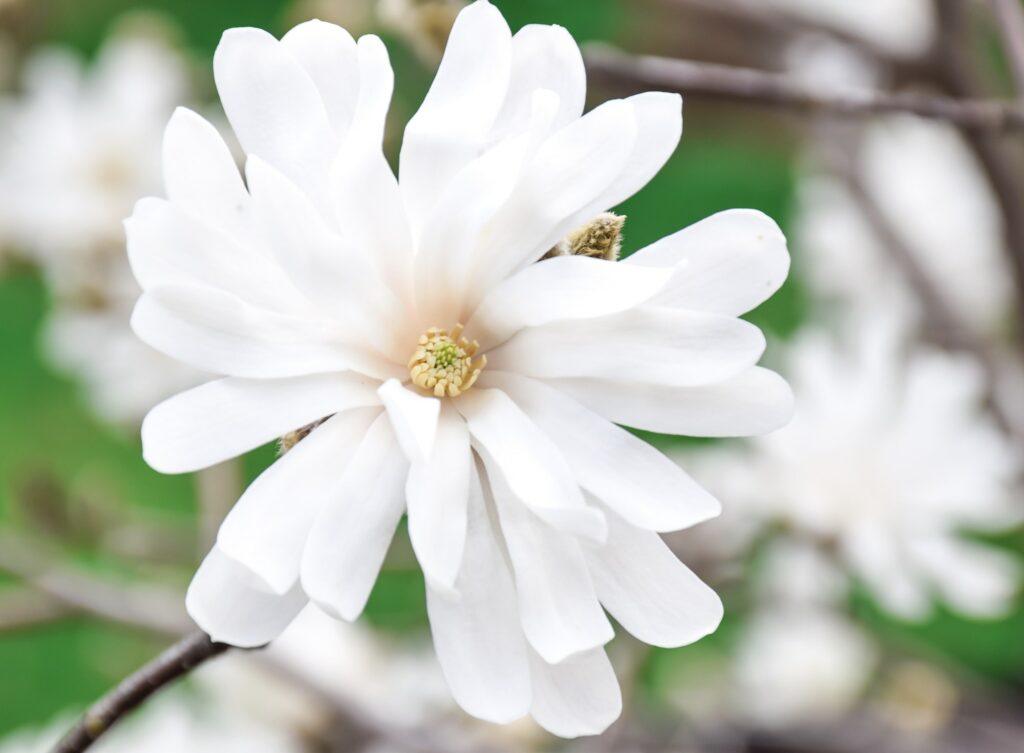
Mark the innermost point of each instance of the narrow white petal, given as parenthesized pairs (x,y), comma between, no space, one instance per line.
(449,235)
(657,346)
(532,464)
(267,528)
(413,418)
(558,606)
(217,332)
(579,696)
(436,493)
(274,107)
(230,605)
(559,289)
(227,417)
(200,173)
(459,110)
(659,124)
(729,263)
(624,472)
(560,189)
(755,402)
(323,263)
(648,591)
(543,57)
(351,534)
(367,199)
(169,246)
(328,54)
(476,631)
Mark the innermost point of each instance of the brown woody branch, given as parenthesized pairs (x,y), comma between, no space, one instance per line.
(783,91)
(188,653)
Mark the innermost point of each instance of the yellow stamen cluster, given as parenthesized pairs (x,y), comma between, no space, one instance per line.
(443,362)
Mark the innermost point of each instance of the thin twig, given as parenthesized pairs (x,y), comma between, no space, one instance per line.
(22,608)
(181,658)
(783,91)
(1010,17)
(152,608)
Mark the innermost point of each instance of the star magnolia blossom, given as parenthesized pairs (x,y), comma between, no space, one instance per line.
(324,287)
(887,461)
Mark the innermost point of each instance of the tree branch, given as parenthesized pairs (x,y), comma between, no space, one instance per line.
(22,608)
(178,660)
(782,91)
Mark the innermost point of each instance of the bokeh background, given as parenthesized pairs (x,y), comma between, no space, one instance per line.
(869,557)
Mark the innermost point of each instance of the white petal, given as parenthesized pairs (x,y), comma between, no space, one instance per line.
(367,199)
(467,93)
(274,107)
(560,189)
(436,493)
(624,472)
(337,276)
(648,591)
(659,124)
(227,417)
(657,346)
(728,263)
(328,53)
(579,696)
(218,332)
(449,235)
(755,402)
(543,57)
(200,173)
(476,632)
(351,534)
(228,603)
(975,579)
(532,464)
(168,246)
(267,528)
(413,418)
(557,604)
(567,287)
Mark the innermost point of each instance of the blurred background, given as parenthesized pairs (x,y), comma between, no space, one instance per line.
(869,555)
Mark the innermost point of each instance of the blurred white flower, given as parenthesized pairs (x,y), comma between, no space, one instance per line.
(889,459)
(902,27)
(79,147)
(800,665)
(926,182)
(320,287)
(424,24)
(174,724)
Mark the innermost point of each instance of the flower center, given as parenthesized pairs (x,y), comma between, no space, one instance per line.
(443,362)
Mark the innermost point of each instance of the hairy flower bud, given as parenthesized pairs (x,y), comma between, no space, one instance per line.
(600,238)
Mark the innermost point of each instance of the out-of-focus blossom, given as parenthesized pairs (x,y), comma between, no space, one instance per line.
(357,16)
(889,459)
(322,288)
(423,24)
(901,27)
(918,698)
(80,145)
(172,725)
(799,665)
(928,185)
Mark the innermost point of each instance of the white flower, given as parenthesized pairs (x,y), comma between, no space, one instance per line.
(80,147)
(888,460)
(322,287)
(800,665)
(930,188)
(174,724)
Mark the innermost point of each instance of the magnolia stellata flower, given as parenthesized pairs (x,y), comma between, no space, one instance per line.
(887,461)
(464,382)
(80,147)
